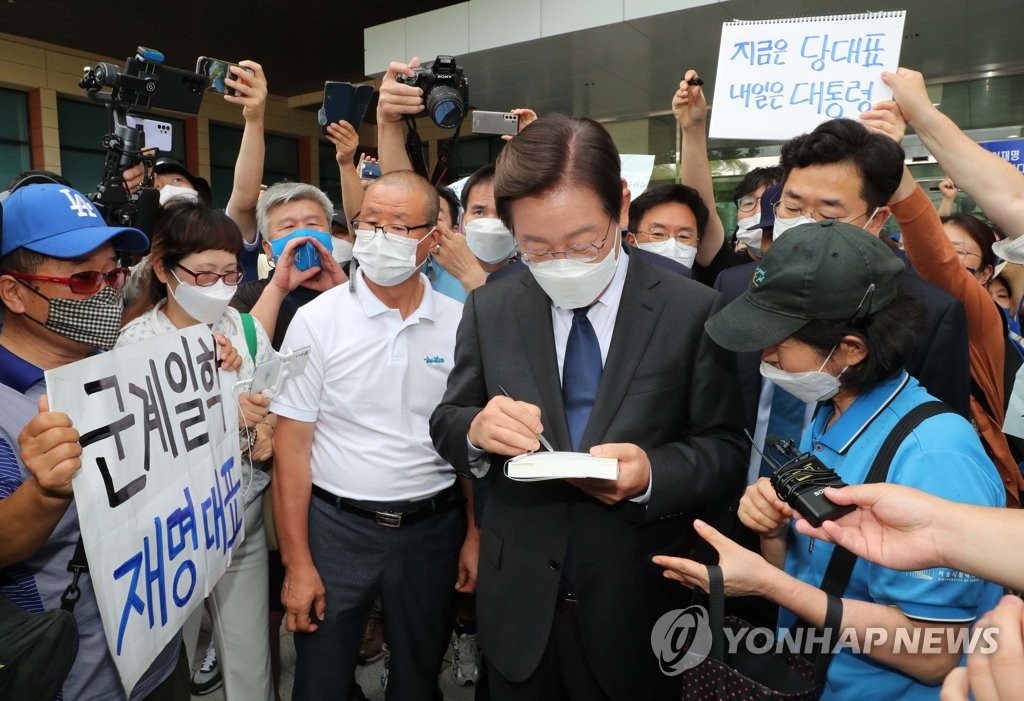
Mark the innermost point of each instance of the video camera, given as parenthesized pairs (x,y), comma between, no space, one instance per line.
(445,91)
(144,84)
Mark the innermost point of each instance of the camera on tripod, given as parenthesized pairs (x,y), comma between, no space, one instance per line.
(144,84)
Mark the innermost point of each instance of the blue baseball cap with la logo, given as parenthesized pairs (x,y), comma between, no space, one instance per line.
(60,222)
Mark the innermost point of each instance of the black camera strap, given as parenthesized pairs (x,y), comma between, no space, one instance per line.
(414,147)
(840,565)
(444,154)
(445,151)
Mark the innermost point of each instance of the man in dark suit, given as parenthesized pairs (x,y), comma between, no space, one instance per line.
(602,353)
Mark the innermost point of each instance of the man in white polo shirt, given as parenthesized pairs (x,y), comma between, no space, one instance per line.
(363,503)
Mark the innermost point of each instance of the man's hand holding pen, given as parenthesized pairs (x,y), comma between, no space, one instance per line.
(506,427)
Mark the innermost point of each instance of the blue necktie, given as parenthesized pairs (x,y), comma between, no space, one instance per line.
(785,421)
(581,374)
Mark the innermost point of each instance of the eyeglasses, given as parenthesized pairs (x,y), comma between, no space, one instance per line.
(395,233)
(205,279)
(963,255)
(658,235)
(582,252)
(84,283)
(786,210)
(747,204)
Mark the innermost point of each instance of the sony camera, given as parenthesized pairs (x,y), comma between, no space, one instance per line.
(445,91)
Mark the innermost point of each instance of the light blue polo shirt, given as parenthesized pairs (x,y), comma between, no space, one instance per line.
(942,456)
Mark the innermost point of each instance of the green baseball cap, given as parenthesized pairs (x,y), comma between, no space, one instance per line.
(828,271)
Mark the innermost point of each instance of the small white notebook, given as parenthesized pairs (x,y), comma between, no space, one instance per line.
(531,467)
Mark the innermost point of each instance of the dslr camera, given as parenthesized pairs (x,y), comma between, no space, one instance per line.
(445,91)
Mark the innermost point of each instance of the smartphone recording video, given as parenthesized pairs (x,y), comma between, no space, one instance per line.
(216,71)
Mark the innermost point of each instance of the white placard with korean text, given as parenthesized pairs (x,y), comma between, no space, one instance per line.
(637,169)
(780,78)
(159,494)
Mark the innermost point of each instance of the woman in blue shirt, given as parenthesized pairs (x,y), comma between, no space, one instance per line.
(834,328)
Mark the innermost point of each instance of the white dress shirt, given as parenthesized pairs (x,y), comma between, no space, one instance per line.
(370,385)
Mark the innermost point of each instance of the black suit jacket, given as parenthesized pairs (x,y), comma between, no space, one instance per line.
(941,363)
(667,388)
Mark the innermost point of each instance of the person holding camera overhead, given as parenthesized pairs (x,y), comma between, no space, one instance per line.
(826,309)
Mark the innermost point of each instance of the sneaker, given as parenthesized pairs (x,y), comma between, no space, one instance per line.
(465,659)
(372,647)
(207,678)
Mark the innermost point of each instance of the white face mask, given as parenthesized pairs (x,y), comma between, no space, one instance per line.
(671,248)
(170,192)
(204,304)
(1010,250)
(571,284)
(342,251)
(489,240)
(784,225)
(751,238)
(384,262)
(809,387)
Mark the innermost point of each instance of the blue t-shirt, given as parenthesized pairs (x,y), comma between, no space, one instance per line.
(942,456)
(37,583)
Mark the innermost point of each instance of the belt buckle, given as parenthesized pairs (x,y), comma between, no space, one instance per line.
(389,519)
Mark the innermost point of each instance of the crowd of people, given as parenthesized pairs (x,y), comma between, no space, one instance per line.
(545,307)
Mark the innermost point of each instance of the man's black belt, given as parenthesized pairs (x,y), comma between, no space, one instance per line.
(411,513)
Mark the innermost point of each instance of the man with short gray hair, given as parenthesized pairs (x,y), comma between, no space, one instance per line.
(283,209)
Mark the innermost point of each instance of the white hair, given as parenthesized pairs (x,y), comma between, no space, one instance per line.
(282,193)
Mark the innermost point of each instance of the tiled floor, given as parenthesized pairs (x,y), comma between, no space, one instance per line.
(367,676)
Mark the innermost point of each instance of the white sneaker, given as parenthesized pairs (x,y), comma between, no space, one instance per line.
(207,678)
(465,659)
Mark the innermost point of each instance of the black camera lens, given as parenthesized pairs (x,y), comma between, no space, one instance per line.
(445,106)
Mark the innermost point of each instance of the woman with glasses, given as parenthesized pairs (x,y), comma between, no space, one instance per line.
(192,275)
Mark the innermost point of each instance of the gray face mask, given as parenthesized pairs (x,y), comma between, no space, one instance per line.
(94,321)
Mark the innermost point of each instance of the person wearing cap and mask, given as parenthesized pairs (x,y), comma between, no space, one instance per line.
(603,353)
(60,285)
(834,328)
(362,502)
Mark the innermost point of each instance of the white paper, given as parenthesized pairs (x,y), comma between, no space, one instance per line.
(636,170)
(780,78)
(159,494)
(531,467)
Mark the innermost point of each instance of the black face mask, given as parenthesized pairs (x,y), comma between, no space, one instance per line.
(94,321)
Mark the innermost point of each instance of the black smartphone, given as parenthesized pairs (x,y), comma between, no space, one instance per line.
(344,102)
(216,71)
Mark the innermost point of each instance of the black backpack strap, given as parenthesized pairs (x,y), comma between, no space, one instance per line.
(77,566)
(840,565)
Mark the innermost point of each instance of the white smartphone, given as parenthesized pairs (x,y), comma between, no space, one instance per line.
(495,122)
(270,375)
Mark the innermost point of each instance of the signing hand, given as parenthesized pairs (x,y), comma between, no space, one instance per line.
(688,103)
(302,594)
(251,89)
(506,427)
(762,511)
(50,450)
(745,572)
(895,526)
(634,474)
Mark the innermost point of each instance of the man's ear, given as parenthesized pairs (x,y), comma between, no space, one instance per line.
(627,197)
(268,250)
(10,294)
(874,225)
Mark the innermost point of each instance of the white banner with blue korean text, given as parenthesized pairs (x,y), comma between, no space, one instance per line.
(783,77)
(159,494)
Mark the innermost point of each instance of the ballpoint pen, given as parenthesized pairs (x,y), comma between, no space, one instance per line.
(540,436)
